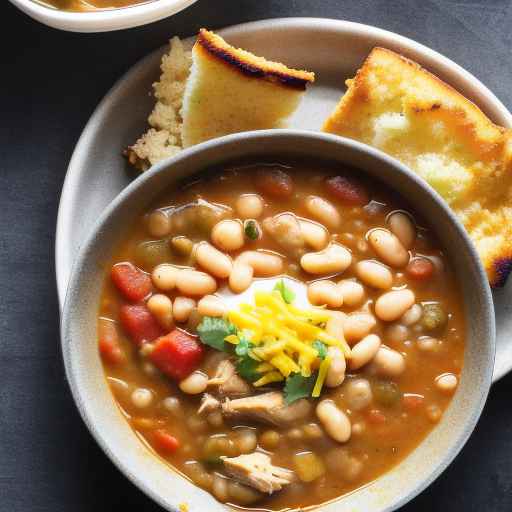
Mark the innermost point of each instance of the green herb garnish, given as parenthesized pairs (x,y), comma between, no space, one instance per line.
(287,294)
(246,368)
(320,348)
(212,332)
(251,229)
(297,387)
(243,346)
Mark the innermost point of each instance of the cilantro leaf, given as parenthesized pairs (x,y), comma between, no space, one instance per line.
(212,332)
(287,294)
(251,229)
(246,368)
(297,387)
(243,347)
(320,348)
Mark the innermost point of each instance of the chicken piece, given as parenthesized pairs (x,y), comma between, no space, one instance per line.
(228,382)
(285,230)
(256,470)
(208,404)
(268,407)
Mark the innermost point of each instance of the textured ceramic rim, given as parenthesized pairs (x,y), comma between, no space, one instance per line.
(132,189)
(104,20)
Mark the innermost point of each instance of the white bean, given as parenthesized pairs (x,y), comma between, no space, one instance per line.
(392,305)
(211,305)
(241,277)
(336,372)
(389,362)
(193,282)
(172,405)
(245,440)
(324,212)
(428,344)
(249,206)
(159,224)
(358,325)
(396,333)
(352,291)
(212,260)
(314,234)
(325,292)
(403,227)
(364,351)
(164,276)
(358,394)
(374,274)
(142,398)
(182,308)
(228,235)
(334,326)
(195,383)
(333,259)
(264,264)
(161,308)
(334,421)
(447,382)
(388,248)
(220,487)
(412,315)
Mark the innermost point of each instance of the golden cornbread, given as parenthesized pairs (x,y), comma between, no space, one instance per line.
(399,107)
(213,91)
(231,90)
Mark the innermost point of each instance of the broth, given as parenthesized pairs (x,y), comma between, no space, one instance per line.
(390,408)
(90,5)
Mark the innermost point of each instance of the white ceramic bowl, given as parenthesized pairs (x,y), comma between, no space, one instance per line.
(79,319)
(102,20)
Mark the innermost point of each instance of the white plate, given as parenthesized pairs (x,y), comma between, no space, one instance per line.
(333,49)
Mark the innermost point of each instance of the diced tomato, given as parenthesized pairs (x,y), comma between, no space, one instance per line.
(131,281)
(108,343)
(420,269)
(139,323)
(349,191)
(376,417)
(275,183)
(412,401)
(165,442)
(177,354)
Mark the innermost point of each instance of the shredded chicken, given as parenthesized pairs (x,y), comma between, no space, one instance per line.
(268,407)
(256,470)
(228,382)
(208,404)
(285,230)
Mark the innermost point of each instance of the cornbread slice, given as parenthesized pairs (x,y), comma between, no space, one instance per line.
(402,109)
(231,90)
(212,91)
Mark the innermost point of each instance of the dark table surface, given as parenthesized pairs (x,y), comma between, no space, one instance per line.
(51,81)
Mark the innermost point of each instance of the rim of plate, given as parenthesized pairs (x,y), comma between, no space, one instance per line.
(67,319)
(104,20)
(483,97)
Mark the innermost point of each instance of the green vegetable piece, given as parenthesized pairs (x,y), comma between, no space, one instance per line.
(251,229)
(320,348)
(212,332)
(246,368)
(386,393)
(243,347)
(287,294)
(297,387)
(434,317)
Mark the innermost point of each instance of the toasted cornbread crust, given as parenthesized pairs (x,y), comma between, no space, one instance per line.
(399,107)
(251,65)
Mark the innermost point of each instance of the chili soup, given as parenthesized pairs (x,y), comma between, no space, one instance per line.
(265,400)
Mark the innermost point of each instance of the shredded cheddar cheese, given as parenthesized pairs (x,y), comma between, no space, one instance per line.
(282,338)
